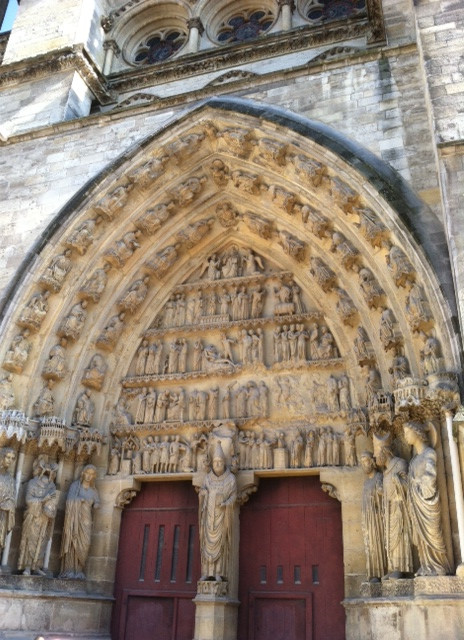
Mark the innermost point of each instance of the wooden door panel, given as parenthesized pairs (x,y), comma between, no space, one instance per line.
(280,618)
(158,563)
(291,543)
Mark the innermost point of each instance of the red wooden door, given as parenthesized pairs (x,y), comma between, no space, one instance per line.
(158,565)
(291,563)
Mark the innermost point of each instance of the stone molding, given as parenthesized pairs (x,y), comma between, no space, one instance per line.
(73,58)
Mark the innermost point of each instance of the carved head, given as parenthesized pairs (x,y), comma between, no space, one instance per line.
(367,462)
(88,475)
(7,458)
(415,432)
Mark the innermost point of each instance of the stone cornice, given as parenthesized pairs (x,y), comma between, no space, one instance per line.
(69,58)
(155,103)
(227,56)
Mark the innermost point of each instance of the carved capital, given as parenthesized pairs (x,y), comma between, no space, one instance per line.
(124,498)
(330,490)
(196,23)
(111,45)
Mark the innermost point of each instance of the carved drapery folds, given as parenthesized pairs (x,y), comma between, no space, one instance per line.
(198,299)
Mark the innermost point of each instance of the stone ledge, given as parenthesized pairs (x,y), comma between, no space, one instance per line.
(441,586)
(31,586)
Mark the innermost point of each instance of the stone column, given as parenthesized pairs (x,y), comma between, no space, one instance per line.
(111,50)
(457,485)
(286,10)
(196,30)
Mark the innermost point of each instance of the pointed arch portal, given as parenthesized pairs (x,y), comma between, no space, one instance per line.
(244,274)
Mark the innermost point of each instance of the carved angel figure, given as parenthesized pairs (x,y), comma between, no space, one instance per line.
(72,325)
(291,245)
(189,190)
(55,367)
(417,308)
(323,275)
(371,289)
(94,374)
(135,295)
(227,215)
(83,236)
(45,403)
(94,287)
(194,233)
(371,227)
(251,263)
(35,311)
(57,271)
(18,353)
(349,255)
(262,227)
(346,307)
(84,410)
(149,171)
(153,219)
(110,334)
(401,269)
(389,331)
(123,249)
(319,224)
(110,205)
(160,264)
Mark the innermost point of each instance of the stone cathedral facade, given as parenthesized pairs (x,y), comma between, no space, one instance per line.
(231,320)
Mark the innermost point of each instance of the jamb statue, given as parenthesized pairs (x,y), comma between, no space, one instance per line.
(7,494)
(77,528)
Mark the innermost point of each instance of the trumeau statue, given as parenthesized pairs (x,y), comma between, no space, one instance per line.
(397,523)
(372,519)
(41,502)
(424,503)
(77,529)
(7,494)
(217,499)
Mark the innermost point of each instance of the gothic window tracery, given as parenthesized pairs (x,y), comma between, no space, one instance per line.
(159,46)
(319,11)
(246,25)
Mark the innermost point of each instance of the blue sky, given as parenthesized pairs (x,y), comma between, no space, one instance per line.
(10,15)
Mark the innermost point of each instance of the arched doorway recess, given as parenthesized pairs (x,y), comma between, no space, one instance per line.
(245,276)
